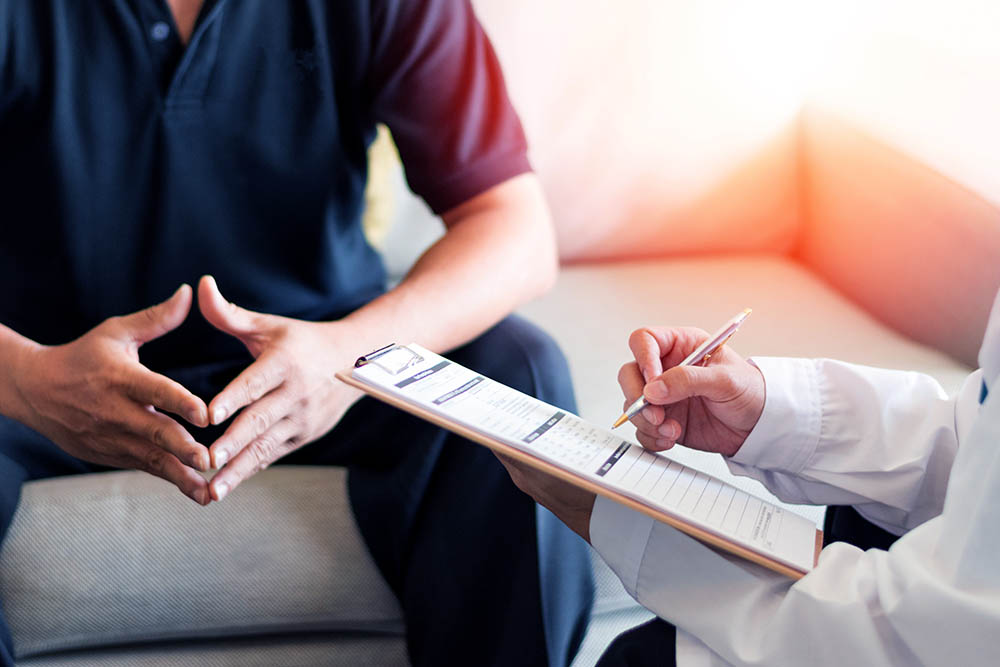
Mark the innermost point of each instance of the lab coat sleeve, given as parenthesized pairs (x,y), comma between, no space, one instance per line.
(834,433)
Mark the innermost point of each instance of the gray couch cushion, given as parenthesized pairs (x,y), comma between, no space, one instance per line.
(122,557)
(293,651)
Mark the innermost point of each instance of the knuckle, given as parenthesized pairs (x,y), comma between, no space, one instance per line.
(729,383)
(158,394)
(150,315)
(158,435)
(280,360)
(154,460)
(115,374)
(102,380)
(261,450)
(255,385)
(681,377)
(294,422)
(114,324)
(260,420)
(643,427)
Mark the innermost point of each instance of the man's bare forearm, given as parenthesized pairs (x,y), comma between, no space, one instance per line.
(499,252)
(13,347)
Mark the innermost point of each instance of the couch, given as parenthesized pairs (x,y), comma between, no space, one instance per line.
(843,242)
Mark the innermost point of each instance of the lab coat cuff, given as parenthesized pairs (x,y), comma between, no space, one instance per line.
(620,535)
(788,431)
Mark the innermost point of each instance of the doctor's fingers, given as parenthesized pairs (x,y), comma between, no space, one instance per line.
(645,345)
(659,348)
(654,443)
(632,383)
(717,383)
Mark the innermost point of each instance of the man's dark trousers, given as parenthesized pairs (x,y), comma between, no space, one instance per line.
(484,577)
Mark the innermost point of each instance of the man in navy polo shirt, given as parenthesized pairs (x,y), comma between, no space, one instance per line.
(146,144)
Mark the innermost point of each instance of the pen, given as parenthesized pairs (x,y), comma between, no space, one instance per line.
(700,355)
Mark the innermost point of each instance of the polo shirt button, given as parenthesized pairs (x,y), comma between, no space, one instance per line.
(160,31)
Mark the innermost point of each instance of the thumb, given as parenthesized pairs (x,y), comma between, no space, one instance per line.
(153,322)
(222,314)
(715,383)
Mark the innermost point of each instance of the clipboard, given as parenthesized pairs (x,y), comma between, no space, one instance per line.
(444,421)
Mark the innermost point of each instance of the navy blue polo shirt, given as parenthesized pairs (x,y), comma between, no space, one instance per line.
(130,163)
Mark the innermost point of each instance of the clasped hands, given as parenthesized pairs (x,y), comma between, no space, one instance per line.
(95,400)
(712,408)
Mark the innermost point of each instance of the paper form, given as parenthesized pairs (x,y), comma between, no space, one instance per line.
(433,383)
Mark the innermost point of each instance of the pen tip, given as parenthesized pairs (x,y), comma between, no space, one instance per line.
(621,420)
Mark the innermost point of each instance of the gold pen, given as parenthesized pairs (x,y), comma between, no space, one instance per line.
(701,355)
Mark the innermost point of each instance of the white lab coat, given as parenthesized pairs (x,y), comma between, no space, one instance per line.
(911,460)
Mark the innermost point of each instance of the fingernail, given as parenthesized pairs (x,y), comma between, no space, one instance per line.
(667,431)
(221,456)
(218,415)
(656,391)
(199,415)
(649,415)
(662,443)
(221,489)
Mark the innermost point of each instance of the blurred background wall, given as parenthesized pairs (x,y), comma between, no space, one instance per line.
(859,137)
(862,137)
(665,99)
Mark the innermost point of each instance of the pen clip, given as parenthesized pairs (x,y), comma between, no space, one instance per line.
(705,359)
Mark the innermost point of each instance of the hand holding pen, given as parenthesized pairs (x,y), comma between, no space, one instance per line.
(685,384)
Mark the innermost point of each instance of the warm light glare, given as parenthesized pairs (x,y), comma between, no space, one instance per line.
(653,104)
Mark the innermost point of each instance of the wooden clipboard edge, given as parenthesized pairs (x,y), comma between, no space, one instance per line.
(513,452)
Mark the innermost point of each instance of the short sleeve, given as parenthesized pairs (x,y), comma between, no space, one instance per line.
(6,59)
(435,81)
